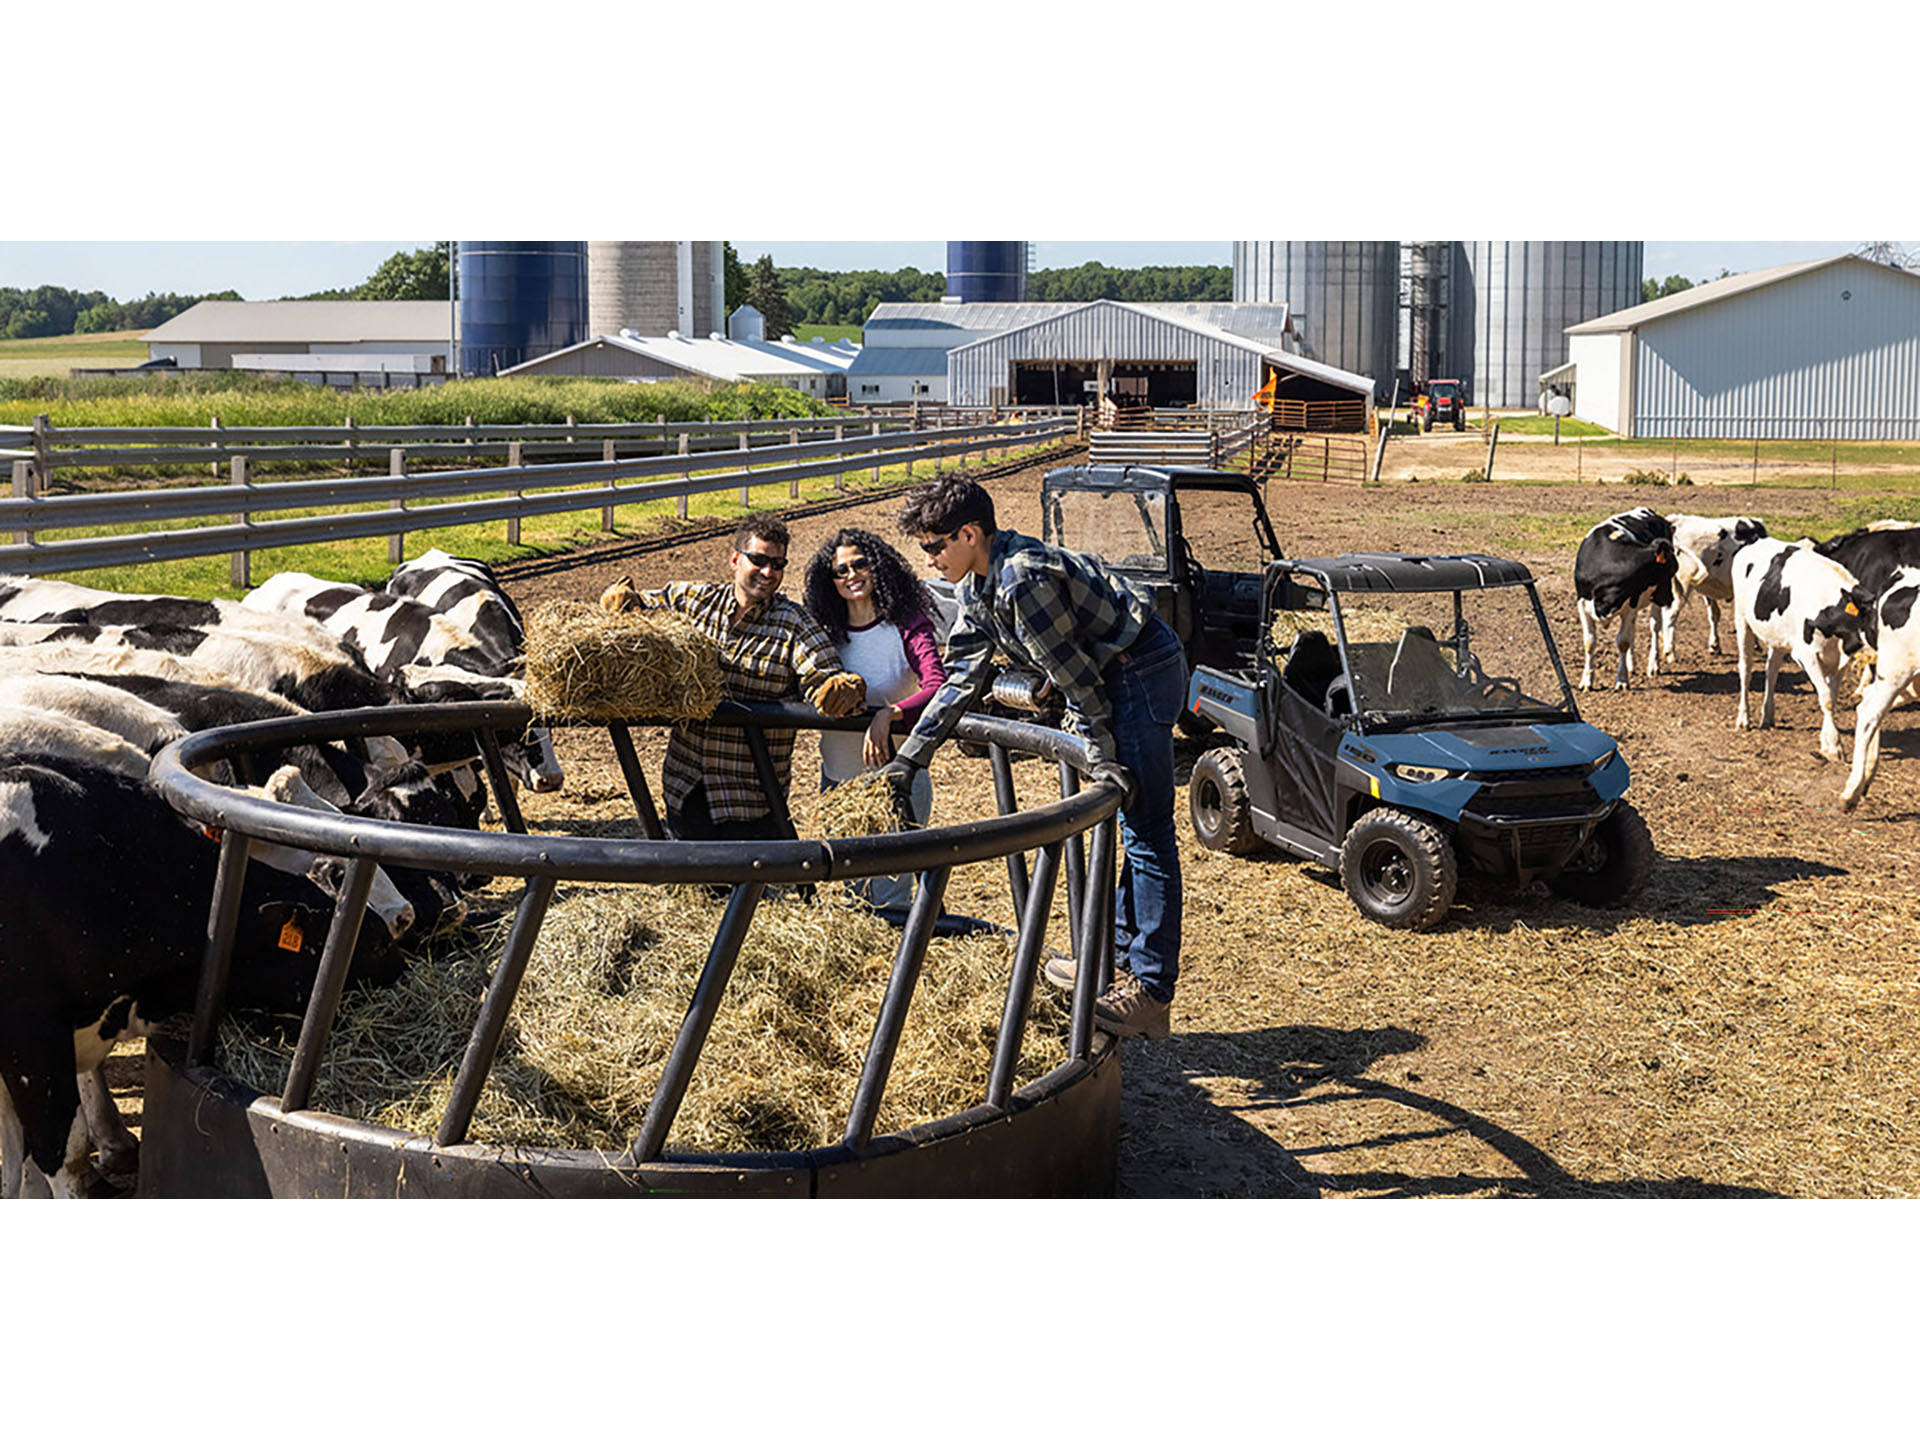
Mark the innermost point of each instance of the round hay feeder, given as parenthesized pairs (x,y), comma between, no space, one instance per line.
(208,1134)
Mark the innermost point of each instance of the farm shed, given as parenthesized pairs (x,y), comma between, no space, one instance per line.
(1818,350)
(817,368)
(1167,356)
(889,374)
(209,335)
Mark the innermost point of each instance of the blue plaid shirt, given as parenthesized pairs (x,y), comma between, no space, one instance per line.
(1056,611)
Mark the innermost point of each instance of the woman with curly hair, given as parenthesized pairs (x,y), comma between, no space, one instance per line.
(878,613)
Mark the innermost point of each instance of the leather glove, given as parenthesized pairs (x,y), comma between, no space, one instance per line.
(840,695)
(1120,777)
(898,776)
(618,596)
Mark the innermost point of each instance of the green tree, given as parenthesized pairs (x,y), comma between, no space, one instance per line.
(736,281)
(411,275)
(768,294)
(1660,289)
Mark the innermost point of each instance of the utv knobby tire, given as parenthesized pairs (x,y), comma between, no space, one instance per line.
(1399,869)
(1613,866)
(1218,806)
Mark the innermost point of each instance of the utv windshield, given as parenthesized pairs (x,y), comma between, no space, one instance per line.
(1420,657)
(1126,528)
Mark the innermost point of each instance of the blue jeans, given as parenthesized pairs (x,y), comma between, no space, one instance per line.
(1148,688)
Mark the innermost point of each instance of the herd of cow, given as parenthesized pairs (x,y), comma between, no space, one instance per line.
(104,923)
(1820,604)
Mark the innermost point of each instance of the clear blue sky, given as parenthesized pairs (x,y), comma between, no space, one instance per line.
(269,269)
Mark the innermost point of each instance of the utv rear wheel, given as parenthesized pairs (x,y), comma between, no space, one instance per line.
(1218,806)
(1399,869)
(1613,866)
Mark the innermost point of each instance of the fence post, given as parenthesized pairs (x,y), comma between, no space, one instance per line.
(23,489)
(397,542)
(469,442)
(1379,456)
(793,485)
(686,474)
(513,463)
(353,449)
(606,511)
(876,457)
(840,476)
(1493,439)
(43,451)
(213,466)
(243,557)
(746,487)
(1754,479)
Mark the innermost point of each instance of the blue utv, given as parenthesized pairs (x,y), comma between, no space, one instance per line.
(1402,717)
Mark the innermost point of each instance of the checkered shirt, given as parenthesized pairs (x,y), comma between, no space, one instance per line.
(767,652)
(1056,611)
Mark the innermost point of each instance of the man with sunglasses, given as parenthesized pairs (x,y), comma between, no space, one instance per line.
(1123,675)
(770,649)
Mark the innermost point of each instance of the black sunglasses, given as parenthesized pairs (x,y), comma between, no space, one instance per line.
(764,562)
(860,563)
(934,547)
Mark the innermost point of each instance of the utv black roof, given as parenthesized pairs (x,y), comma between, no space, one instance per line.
(1155,477)
(1407,572)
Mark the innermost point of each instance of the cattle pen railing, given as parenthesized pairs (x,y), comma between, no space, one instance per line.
(513,492)
(205,1134)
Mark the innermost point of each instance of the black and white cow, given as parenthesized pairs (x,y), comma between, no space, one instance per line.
(84,964)
(1705,548)
(1897,640)
(1625,564)
(1793,601)
(444,582)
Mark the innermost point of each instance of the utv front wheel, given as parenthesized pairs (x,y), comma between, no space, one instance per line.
(1399,869)
(1218,806)
(1613,866)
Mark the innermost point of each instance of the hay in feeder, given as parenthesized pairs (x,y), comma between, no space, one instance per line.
(863,805)
(1363,624)
(586,663)
(604,996)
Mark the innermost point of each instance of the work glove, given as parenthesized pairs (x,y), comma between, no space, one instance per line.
(1121,778)
(840,695)
(898,776)
(618,596)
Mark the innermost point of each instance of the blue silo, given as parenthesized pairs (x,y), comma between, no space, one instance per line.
(519,299)
(987,271)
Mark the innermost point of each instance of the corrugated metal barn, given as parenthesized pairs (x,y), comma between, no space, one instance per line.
(1820,350)
(814,368)
(1110,347)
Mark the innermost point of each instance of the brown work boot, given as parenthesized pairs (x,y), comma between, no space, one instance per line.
(1127,1009)
(1061,969)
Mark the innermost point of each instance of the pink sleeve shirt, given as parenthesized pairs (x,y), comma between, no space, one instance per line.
(923,653)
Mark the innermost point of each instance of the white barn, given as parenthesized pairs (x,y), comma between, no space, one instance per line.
(1819,350)
(369,335)
(813,367)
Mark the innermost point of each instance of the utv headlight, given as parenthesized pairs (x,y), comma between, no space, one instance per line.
(1419,774)
(1604,761)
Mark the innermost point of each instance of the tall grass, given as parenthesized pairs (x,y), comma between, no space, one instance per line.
(195,399)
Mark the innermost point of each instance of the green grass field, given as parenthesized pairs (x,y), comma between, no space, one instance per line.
(57,354)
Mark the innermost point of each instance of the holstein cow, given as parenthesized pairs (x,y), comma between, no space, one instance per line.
(1705,548)
(1874,556)
(1795,601)
(85,963)
(1625,564)
(443,582)
(1897,622)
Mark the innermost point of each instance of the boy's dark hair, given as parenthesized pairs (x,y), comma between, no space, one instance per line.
(898,595)
(770,528)
(942,506)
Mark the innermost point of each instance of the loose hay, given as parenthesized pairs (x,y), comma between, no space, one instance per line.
(1362,624)
(585,663)
(863,805)
(603,998)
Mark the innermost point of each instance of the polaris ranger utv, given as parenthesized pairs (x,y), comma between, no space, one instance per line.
(1402,717)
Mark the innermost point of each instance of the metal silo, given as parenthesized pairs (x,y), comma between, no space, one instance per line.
(1344,296)
(986,272)
(653,286)
(519,299)
(1513,299)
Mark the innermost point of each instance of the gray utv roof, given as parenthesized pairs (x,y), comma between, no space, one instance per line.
(1410,572)
(1150,477)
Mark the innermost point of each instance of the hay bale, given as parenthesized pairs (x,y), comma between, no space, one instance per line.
(587,663)
(863,805)
(603,997)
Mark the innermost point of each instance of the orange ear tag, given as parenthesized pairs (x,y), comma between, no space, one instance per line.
(291,937)
(1850,609)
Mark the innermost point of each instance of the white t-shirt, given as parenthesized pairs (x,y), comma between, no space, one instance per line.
(878,655)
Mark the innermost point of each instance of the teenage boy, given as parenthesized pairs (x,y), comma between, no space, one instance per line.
(1120,669)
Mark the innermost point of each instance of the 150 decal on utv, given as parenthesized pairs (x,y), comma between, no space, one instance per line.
(1403,717)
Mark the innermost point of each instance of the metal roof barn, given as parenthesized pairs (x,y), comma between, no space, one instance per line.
(814,369)
(1820,350)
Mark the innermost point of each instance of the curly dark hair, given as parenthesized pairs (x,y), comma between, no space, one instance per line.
(898,594)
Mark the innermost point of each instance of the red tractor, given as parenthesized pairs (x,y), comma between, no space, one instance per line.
(1440,400)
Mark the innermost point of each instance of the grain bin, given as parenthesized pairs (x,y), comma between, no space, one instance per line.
(1513,299)
(983,272)
(519,299)
(1344,295)
(653,286)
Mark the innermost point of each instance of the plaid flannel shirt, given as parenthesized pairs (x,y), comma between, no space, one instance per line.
(1056,611)
(767,652)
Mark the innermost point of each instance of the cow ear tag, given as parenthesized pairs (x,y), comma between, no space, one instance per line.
(1852,609)
(291,937)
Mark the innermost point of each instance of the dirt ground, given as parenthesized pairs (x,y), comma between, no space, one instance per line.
(1750,1027)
